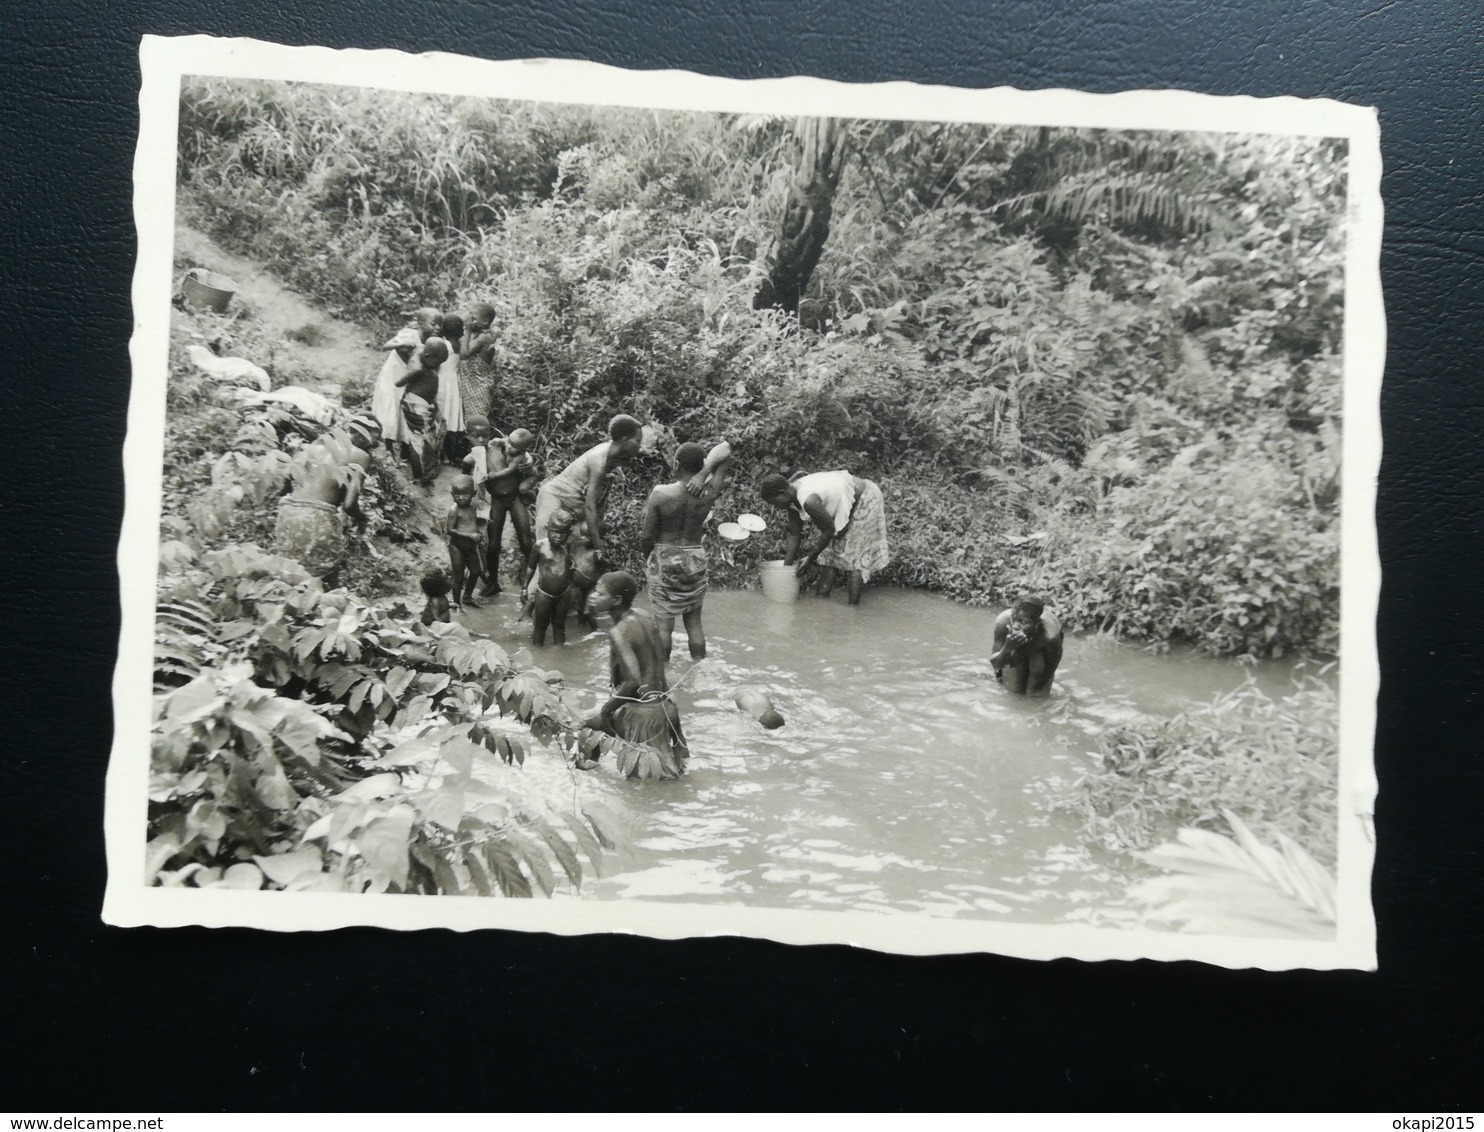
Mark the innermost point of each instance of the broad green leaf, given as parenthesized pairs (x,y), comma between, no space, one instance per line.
(561,850)
(377,786)
(384,845)
(532,856)
(457,754)
(587,842)
(413,751)
(319,828)
(157,853)
(398,679)
(244,875)
(606,824)
(196,699)
(505,870)
(443,806)
(477,873)
(274,789)
(284,868)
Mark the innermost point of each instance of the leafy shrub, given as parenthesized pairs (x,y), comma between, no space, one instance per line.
(1274,761)
(287,717)
(1238,886)
(1228,546)
(305,739)
(1034,327)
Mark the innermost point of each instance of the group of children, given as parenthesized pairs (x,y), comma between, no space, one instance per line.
(437,369)
(561,574)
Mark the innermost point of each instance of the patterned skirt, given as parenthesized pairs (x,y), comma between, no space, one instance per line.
(862,545)
(421,428)
(476,383)
(677,579)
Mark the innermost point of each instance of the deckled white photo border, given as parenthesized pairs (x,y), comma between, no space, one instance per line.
(128,902)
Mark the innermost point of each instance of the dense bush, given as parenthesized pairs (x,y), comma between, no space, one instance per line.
(1087,334)
(1273,762)
(1228,545)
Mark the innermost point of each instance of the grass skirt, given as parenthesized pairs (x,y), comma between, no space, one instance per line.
(653,746)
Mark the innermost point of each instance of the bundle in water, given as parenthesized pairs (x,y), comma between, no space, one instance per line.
(757,704)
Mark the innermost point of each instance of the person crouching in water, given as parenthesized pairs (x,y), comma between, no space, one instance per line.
(328,476)
(466,535)
(546,593)
(641,710)
(1027,642)
(850,517)
(670,538)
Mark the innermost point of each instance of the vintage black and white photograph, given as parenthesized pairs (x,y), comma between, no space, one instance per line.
(576,500)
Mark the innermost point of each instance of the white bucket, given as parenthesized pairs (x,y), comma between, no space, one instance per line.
(780,582)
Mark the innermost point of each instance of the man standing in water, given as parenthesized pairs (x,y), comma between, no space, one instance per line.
(1027,641)
(670,538)
(327,488)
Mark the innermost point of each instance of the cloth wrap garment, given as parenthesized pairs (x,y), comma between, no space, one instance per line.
(312,533)
(477,384)
(421,428)
(677,577)
(450,397)
(568,488)
(860,521)
(386,398)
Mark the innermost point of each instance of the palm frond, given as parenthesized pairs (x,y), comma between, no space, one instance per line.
(1220,885)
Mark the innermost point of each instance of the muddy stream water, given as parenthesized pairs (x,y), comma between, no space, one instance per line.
(905,778)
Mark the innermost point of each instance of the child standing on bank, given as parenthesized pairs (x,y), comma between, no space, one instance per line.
(466,537)
(510,481)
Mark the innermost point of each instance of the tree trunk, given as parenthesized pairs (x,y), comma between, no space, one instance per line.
(806,215)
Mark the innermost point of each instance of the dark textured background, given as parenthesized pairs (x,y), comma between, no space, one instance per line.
(101,1018)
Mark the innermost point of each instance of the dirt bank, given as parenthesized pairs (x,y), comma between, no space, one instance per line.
(306,339)
(307,346)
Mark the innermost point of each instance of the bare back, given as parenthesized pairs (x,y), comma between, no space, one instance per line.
(680,518)
(636,653)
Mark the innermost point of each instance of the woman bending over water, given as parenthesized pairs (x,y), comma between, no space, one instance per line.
(850,517)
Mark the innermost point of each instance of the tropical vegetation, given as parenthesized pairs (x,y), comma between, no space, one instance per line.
(1104,365)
